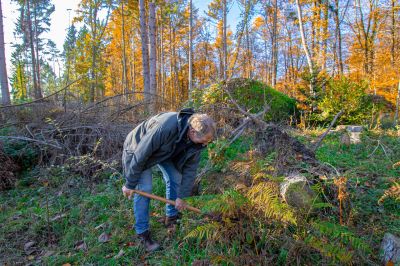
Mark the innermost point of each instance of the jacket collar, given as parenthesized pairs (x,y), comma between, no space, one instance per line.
(183,117)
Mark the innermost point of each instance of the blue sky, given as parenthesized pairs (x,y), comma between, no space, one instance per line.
(60,21)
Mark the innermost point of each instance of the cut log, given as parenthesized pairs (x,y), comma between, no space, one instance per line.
(390,248)
(296,192)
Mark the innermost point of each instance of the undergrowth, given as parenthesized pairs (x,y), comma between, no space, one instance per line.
(249,224)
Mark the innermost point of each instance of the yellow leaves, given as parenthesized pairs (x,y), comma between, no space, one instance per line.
(258,22)
(265,197)
(392,192)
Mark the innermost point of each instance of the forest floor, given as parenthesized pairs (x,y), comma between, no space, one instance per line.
(55,218)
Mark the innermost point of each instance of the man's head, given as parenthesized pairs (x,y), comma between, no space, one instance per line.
(201,128)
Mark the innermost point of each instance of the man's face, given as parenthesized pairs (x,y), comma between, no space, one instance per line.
(203,140)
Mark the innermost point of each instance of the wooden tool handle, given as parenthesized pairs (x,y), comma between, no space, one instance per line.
(151,196)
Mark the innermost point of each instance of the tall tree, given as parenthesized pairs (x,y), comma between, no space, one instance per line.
(90,15)
(305,47)
(5,93)
(37,93)
(190,45)
(153,50)
(145,50)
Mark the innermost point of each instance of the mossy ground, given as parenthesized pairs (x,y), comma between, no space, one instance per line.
(57,210)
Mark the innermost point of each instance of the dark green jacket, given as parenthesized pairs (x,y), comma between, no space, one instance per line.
(153,141)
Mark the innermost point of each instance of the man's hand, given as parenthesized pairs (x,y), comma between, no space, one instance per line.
(180,204)
(127,192)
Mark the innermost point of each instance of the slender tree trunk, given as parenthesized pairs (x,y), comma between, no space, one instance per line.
(338,34)
(305,47)
(124,69)
(37,94)
(274,44)
(225,46)
(190,48)
(5,93)
(396,115)
(325,31)
(145,51)
(37,67)
(393,33)
(133,63)
(162,67)
(153,52)
(93,76)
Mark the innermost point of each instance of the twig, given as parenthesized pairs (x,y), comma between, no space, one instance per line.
(41,99)
(31,140)
(321,138)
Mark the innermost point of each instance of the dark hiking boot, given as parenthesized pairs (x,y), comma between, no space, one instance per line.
(147,242)
(172,220)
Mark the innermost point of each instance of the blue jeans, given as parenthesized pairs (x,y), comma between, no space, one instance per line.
(172,178)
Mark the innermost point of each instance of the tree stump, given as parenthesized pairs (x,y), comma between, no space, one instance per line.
(296,192)
(355,134)
(390,248)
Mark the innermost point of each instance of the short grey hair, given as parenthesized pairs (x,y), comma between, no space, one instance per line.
(202,124)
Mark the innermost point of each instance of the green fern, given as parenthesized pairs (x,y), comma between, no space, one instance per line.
(335,231)
(228,204)
(329,250)
(264,197)
(208,231)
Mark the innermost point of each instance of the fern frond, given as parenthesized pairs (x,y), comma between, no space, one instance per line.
(228,204)
(264,197)
(392,192)
(326,249)
(207,231)
(335,231)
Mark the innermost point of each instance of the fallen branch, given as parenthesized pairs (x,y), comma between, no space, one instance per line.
(41,99)
(31,140)
(321,138)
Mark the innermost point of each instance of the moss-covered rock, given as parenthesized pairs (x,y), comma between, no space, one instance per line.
(251,95)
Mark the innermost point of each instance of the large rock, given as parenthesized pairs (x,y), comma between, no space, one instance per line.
(296,192)
(390,249)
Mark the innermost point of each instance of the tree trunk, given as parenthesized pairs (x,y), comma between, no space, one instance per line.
(124,71)
(37,94)
(145,51)
(162,67)
(396,115)
(393,33)
(37,67)
(325,32)
(274,44)
(153,52)
(225,46)
(338,34)
(5,93)
(305,47)
(190,48)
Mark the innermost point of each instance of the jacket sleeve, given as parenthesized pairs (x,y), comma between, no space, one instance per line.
(148,144)
(189,171)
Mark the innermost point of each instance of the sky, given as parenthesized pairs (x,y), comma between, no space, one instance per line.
(65,11)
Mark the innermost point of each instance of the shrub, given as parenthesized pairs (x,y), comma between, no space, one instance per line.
(351,97)
(251,95)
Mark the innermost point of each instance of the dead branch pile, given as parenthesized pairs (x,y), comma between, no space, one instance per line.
(86,137)
(292,156)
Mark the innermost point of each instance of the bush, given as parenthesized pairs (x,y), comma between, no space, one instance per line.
(344,94)
(250,95)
